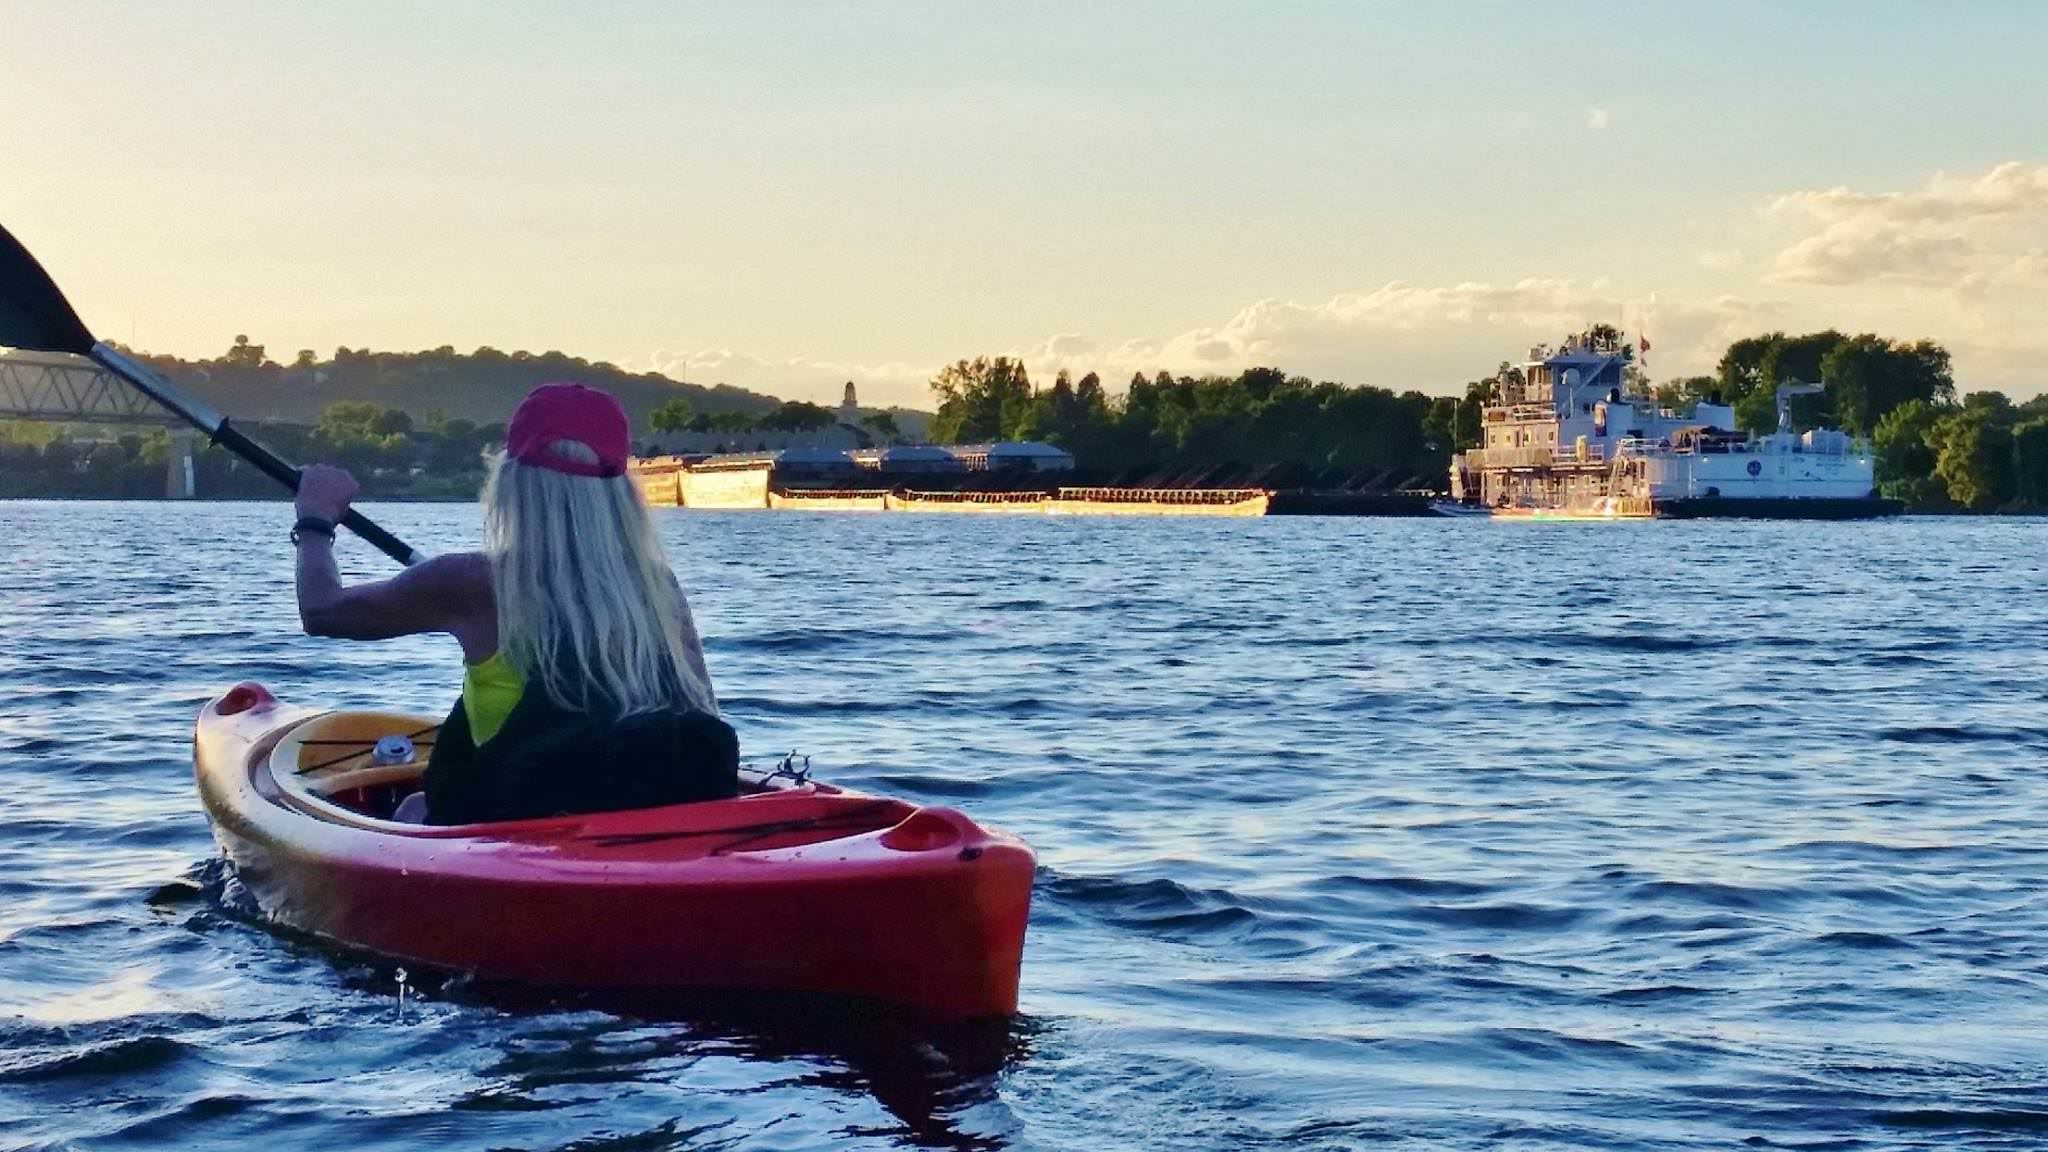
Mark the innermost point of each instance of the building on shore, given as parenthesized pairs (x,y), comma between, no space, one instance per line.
(849,408)
(906,459)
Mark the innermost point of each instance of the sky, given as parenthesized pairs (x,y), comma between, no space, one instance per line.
(785,196)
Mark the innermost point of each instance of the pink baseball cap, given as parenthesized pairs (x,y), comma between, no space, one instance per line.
(586,415)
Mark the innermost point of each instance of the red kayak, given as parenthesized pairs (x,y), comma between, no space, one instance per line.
(793,886)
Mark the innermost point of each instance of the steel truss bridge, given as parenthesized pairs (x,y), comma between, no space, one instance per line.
(59,389)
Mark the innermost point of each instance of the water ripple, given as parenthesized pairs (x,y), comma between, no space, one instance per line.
(1352,833)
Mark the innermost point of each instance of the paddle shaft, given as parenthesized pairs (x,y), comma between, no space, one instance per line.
(34,315)
(225,434)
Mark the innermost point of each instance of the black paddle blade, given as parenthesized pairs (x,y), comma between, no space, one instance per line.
(33,314)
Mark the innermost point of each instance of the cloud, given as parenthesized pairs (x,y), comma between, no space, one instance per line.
(1962,259)
(2008,361)
(797,377)
(1398,336)
(1962,234)
(1597,119)
(1433,338)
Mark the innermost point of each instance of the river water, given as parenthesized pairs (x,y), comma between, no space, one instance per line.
(1352,832)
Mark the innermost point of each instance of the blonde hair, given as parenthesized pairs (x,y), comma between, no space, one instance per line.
(588,607)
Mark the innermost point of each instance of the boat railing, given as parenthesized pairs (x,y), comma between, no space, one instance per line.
(1102,495)
(1739,446)
(1534,456)
(942,497)
(1640,446)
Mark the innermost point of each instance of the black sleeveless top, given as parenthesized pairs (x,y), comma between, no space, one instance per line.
(549,761)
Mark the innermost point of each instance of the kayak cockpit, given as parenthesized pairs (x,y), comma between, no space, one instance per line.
(353,764)
(357,767)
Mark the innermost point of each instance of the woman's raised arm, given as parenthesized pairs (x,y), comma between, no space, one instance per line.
(445,594)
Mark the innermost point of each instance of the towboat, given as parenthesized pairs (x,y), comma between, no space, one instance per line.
(1575,433)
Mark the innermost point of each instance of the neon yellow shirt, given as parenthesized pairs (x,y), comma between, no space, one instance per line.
(490,689)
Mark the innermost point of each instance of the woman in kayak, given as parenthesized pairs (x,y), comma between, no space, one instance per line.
(584,687)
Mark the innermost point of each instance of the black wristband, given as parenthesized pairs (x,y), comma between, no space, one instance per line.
(313,524)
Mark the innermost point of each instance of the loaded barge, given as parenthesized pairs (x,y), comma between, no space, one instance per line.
(813,481)
(977,478)
(1578,437)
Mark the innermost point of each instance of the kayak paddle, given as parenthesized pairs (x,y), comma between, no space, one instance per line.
(34,315)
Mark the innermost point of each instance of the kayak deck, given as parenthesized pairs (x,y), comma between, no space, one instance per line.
(792,886)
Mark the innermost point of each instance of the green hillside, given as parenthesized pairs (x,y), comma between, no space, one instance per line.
(481,386)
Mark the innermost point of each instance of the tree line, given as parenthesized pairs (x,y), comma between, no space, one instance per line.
(393,454)
(482,386)
(1259,426)
(44,460)
(679,415)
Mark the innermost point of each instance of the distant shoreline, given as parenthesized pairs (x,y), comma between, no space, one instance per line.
(280,499)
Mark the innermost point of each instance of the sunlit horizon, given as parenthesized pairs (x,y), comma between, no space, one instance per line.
(788,199)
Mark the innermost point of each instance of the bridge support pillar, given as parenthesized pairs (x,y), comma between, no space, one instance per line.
(178,480)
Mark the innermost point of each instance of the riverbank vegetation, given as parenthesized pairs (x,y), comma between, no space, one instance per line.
(439,459)
(481,386)
(1259,426)
(1980,452)
(391,453)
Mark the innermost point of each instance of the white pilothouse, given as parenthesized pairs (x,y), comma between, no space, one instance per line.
(1578,437)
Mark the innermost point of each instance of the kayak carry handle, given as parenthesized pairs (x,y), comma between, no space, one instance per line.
(929,828)
(242,698)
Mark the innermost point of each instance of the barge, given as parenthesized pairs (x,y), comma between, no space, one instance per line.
(810,481)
